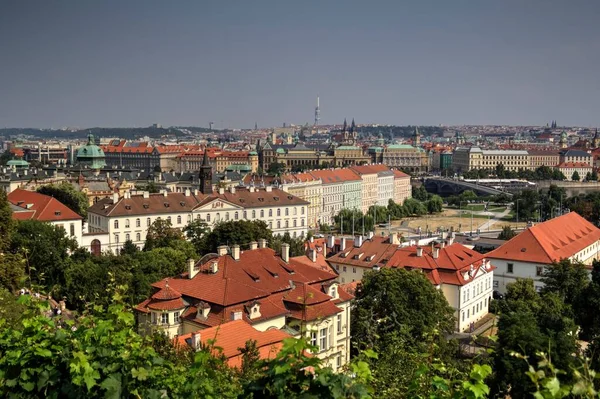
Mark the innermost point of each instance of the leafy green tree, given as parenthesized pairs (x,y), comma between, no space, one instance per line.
(594,176)
(575,176)
(5,157)
(396,211)
(396,299)
(588,176)
(420,193)
(161,234)
(296,244)
(66,193)
(276,168)
(527,204)
(412,207)
(502,198)
(46,250)
(567,279)
(500,170)
(435,204)
(379,213)
(151,187)
(195,232)
(7,223)
(507,233)
(129,248)
(530,324)
(11,311)
(347,216)
(240,232)
(467,195)
(586,311)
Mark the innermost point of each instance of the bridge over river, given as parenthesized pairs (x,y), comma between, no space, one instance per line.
(448,186)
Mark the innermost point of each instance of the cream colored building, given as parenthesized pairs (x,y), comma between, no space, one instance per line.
(308,188)
(402,187)
(369,186)
(465,159)
(265,289)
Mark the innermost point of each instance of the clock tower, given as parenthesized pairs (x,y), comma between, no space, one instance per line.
(205,175)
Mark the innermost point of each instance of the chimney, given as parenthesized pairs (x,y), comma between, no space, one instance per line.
(165,194)
(115,198)
(195,341)
(313,255)
(195,191)
(285,252)
(268,189)
(214,266)
(146,194)
(187,192)
(442,244)
(191,263)
(330,241)
(232,190)
(394,239)
(370,235)
(253,245)
(358,240)
(451,239)
(419,252)
(312,239)
(127,195)
(222,250)
(262,243)
(235,252)
(436,252)
(221,190)
(251,189)
(342,244)
(236,315)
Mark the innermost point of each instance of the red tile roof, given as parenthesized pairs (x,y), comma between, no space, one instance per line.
(333,176)
(40,207)
(574,165)
(232,336)
(558,238)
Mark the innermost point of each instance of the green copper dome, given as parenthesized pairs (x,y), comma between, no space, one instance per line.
(91,155)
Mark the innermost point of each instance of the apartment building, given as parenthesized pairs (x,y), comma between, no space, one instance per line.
(467,158)
(569,168)
(539,158)
(128,217)
(576,157)
(269,291)
(369,186)
(308,188)
(402,186)
(220,160)
(406,157)
(342,188)
(464,276)
(525,256)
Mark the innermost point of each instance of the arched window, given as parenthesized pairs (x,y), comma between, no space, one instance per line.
(262,213)
(253,214)
(126,223)
(218,217)
(148,222)
(245,215)
(169,219)
(127,238)
(236,216)
(208,217)
(302,222)
(287,211)
(226,215)
(96,247)
(137,222)
(278,224)
(278,211)
(137,237)
(287,224)
(116,238)
(178,219)
(294,222)
(270,212)
(295,211)
(302,210)
(116,224)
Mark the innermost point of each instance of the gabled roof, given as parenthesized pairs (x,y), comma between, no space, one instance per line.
(558,238)
(40,207)
(232,336)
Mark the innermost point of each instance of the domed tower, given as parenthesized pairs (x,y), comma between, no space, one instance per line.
(563,140)
(91,155)
(596,141)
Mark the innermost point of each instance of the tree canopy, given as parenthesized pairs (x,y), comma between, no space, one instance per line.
(66,193)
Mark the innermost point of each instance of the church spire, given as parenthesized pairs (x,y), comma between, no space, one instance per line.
(345,126)
(352,126)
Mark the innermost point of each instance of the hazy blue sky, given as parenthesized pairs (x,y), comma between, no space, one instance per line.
(133,63)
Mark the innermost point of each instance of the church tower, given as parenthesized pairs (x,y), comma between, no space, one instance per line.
(205,175)
(417,138)
(563,140)
(353,132)
(596,141)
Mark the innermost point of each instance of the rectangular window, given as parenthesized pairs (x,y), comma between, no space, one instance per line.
(164,318)
(313,338)
(344,268)
(539,270)
(339,361)
(496,284)
(354,270)
(72,227)
(323,339)
(176,317)
(509,268)
(339,323)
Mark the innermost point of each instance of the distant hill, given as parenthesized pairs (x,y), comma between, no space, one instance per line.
(122,132)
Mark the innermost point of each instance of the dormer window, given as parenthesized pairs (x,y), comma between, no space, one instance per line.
(146,206)
(56,213)
(128,207)
(166,204)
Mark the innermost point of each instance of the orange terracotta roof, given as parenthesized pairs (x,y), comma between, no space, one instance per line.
(558,238)
(172,304)
(333,176)
(40,207)
(232,336)
(166,293)
(398,174)
(574,165)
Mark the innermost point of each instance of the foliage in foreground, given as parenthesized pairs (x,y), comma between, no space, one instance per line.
(100,355)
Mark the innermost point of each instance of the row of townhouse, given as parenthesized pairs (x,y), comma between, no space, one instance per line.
(129,217)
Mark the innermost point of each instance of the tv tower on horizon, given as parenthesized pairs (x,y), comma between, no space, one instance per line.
(317,113)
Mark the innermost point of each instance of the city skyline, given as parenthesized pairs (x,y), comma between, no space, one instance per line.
(188,64)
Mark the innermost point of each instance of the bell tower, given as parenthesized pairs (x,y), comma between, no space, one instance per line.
(205,175)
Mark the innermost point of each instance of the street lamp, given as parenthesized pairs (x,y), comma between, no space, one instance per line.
(517,201)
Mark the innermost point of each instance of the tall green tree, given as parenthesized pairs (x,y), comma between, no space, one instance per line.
(161,233)
(240,232)
(435,204)
(507,233)
(195,232)
(66,193)
(568,279)
(346,217)
(575,176)
(391,300)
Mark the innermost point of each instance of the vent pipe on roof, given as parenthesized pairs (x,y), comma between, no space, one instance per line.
(358,240)
(436,252)
(221,190)
(342,244)
(330,241)
(419,252)
(232,190)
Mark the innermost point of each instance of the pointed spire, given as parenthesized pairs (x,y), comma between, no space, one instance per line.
(345,125)
(205,158)
(352,126)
